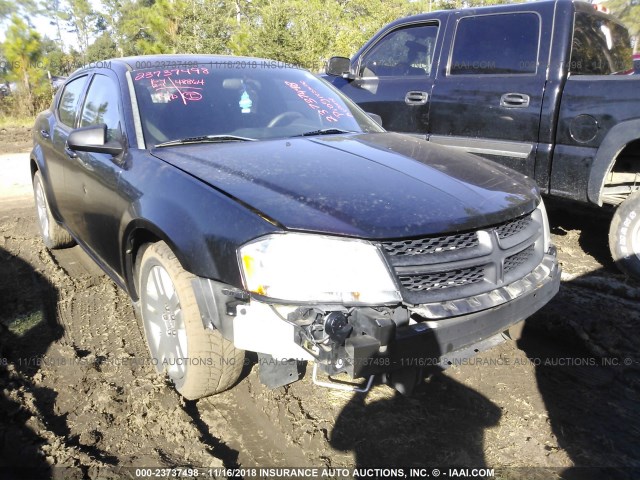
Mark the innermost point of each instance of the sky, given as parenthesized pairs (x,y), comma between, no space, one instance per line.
(45,29)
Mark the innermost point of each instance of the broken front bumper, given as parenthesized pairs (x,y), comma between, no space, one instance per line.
(441,342)
(383,339)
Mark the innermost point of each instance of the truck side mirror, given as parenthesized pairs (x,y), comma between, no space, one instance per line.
(339,67)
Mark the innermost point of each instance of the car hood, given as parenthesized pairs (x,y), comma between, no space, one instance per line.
(374,186)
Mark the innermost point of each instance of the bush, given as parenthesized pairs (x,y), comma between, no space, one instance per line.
(19,106)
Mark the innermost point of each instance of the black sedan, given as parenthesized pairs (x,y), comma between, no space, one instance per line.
(247,205)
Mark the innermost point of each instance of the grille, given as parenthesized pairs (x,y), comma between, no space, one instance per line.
(511,228)
(464,264)
(423,246)
(442,280)
(514,261)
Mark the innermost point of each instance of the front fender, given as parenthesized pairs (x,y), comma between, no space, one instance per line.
(616,140)
(202,226)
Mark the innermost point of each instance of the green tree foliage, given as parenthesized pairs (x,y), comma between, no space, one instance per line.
(629,12)
(102,48)
(7,7)
(149,26)
(274,31)
(81,19)
(306,32)
(360,19)
(23,50)
(211,34)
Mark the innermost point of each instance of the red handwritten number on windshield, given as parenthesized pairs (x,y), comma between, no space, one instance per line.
(177,72)
(174,83)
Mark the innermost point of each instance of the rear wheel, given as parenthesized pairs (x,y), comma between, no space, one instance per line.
(624,236)
(199,361)
(53,235)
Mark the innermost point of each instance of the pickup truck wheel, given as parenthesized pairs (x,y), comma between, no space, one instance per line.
(53,235)
(624,236)
(198,361)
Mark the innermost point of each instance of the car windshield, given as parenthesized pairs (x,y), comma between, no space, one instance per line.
(231,100)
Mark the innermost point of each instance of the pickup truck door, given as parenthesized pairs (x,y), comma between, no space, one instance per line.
(395,76)
(487,98)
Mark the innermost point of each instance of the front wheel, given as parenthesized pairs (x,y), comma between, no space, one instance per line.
(198,361)
(624,236)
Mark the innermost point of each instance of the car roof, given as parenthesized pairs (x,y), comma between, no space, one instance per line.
(135,62)
(166,61)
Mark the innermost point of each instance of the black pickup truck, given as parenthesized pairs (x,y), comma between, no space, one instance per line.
(537,86)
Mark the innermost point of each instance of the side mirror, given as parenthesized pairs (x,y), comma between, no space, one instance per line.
(93,139)
(339,67)
(375,117)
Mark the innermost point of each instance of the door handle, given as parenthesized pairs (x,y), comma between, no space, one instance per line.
(70,153)
(74,156)
(415,97)
(514,100)
(45,134)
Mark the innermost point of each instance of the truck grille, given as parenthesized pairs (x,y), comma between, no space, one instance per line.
(449,267)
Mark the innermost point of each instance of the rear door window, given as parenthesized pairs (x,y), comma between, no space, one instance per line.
(600,46)
(496,45)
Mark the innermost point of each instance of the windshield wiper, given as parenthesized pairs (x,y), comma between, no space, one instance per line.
(324,131)
(206,139)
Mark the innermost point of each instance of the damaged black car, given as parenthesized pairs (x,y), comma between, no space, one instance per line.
(247,205)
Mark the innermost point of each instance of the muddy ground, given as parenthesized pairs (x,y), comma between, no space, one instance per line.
(15,139)
(79,398)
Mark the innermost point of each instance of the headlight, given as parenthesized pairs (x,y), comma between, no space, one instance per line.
(545,225)
(300,267)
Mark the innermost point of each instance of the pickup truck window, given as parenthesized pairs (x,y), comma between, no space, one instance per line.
(101,106)
(68,107)
(496,45)
(405,51)
(600,46)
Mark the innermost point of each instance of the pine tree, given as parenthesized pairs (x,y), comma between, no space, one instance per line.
(23,51)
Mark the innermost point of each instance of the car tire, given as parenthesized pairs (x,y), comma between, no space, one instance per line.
(624,236)
(53,235)
(199,361)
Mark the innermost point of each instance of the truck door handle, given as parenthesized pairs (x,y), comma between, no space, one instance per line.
(514,100)
(416,98)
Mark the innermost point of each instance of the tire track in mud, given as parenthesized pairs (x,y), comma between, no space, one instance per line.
(255,435)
